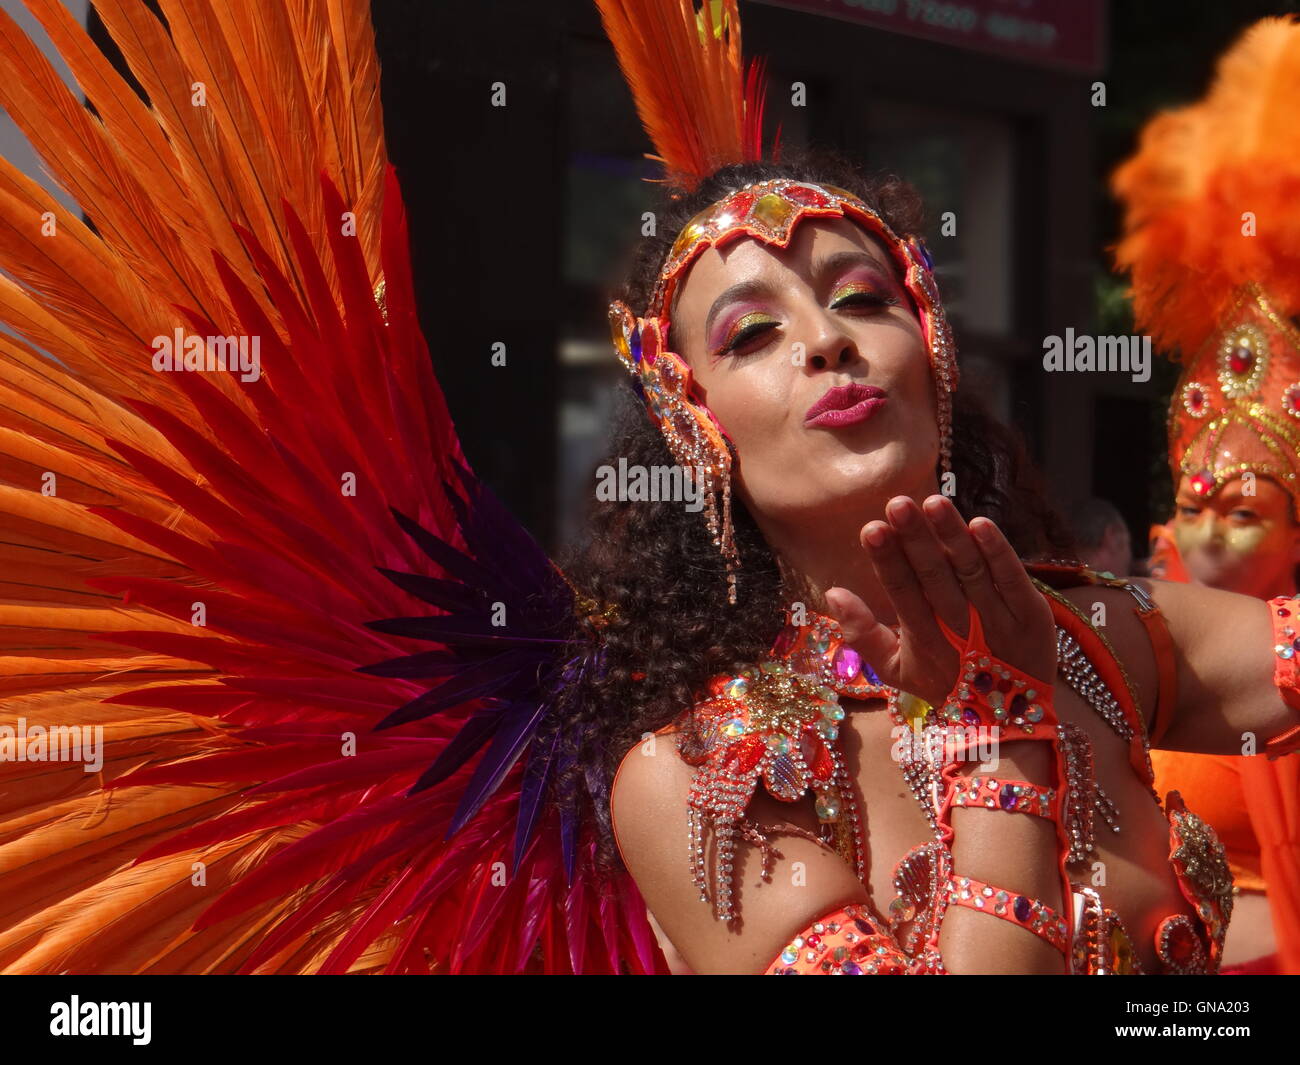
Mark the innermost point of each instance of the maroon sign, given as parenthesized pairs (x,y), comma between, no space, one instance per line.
(1057,33)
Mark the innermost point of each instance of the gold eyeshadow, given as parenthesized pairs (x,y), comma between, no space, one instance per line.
(740,325)
(853,288)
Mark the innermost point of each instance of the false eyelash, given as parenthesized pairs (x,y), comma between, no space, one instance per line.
(747,334)
(877,299)
(867,298)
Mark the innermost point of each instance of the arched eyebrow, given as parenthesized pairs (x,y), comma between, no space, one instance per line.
(756,287)
(840,259)
(742,290)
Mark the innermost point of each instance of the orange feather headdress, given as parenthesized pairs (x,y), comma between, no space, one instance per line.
(1212,242)
(699,105)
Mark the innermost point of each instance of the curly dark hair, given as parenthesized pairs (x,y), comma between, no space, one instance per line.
(655,563)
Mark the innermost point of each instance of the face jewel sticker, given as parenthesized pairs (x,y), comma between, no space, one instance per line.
(1243,358)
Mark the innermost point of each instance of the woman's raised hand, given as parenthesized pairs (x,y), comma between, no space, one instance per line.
(931,564)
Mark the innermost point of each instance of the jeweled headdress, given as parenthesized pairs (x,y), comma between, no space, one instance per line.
(1212,240)
(703,111)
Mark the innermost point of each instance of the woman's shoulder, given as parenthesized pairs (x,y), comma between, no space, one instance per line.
(643,765)
(651,781)
(1114,624)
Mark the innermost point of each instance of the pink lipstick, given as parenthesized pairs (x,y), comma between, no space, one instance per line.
(845,405)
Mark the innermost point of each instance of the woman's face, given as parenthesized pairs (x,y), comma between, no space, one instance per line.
(770,332)
(1240,543)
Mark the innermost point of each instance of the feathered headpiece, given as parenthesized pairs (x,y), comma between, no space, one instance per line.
(703,111)
(699,105)
(1212,241)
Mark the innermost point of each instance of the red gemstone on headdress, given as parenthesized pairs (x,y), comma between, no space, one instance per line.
(1197,398)
(806,196)
(738,206)
(1240,359)
(1291,400)
(1203,482)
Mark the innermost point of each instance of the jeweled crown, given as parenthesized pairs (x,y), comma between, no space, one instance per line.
(1237,406)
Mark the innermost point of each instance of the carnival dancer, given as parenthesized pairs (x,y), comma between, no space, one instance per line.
(354,719)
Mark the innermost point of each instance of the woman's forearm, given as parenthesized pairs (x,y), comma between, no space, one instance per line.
(1010,851)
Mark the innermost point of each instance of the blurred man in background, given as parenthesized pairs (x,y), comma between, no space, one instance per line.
(1102,536)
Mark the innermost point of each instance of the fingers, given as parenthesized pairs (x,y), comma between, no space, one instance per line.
(966,559)
(876,643)
(1015,588)
(898,580)
(929,562)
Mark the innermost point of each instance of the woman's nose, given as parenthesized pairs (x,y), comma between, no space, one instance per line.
(843,358)
(829,347)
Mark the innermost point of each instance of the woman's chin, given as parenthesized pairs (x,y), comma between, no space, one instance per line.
(1221,575)
(861,499)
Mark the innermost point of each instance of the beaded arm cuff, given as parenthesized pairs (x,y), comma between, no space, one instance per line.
(1286,669)
(993,696)
(1030,914)
(1014,796)
(992,693)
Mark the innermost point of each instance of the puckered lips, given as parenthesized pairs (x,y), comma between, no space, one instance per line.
(845,405)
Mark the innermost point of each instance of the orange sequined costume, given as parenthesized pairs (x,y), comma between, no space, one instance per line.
(731,741)
(1212,241)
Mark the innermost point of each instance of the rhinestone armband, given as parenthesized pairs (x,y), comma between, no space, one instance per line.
(1286,668)
(1014,796)
(1030,914)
